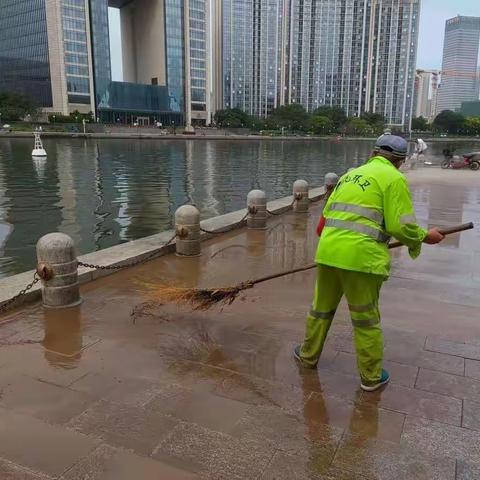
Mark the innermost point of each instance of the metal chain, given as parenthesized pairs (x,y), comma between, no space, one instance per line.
(8,304)
(226,229)
(130,264)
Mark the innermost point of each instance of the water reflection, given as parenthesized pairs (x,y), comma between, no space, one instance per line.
(104,192)
(63,340)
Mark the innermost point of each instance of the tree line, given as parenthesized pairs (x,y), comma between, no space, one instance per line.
(293,118)
(16,107)
(453,123)
(333,120)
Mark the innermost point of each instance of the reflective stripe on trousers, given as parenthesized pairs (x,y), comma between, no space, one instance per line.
(364,315)
(322,315)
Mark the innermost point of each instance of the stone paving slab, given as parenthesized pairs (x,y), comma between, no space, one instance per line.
(41,400)
(357,417)
(447,384)
(467,471)
(205,409)
(447,441)
(280,430)
(401,374)
(417,402)
(257,391)
(471,415)
(135,392)
(10,471)
(130,427)
(108,463)
(307,467)
(389,461)
(472,368)
(458,349)
(39,446)
(215,454)
(92,393)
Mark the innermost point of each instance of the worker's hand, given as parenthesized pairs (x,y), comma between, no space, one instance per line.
(434,236)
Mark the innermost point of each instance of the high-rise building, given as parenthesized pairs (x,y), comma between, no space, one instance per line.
(459,81)
(24,55)
(426,92)
(355,54)
(45,52)
(59,52)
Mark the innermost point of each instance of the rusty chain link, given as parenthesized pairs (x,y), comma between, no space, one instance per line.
(38,276)
(226,229)
(130,264)
(8,304)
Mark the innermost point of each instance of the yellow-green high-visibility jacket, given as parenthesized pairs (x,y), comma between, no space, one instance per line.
(368,206)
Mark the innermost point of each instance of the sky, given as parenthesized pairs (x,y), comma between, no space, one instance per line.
(434,13)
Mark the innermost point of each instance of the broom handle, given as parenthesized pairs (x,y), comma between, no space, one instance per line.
(443,231)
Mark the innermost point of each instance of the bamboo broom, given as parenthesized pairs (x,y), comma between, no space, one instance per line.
(205,298)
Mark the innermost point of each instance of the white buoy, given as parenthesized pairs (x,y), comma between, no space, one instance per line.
(38,150)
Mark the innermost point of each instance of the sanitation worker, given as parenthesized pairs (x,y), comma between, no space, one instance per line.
(369,205)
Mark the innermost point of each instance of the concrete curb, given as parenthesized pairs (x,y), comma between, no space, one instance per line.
(180,136)
(137,250)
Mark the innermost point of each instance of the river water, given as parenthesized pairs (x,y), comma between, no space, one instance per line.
(105,192)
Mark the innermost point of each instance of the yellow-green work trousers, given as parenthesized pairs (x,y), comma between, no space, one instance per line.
(362,292)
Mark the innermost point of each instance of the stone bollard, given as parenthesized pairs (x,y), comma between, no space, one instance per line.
(187,226)
(331,179)
(57,265)
(257,209)
(300,194)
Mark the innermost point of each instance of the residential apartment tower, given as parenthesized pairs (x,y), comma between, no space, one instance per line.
(359,55)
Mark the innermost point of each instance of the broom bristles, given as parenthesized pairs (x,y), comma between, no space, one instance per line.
(198,298)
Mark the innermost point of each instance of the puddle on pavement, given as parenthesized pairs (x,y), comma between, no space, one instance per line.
(238,256)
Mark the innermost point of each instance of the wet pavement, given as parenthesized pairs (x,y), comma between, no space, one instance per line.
(93,393)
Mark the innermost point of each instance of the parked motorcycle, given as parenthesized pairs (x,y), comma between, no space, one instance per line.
(467,160)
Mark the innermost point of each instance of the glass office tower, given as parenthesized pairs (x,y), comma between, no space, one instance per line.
(24,61)
(460,75)
(174,20)
(99,31)
(199,55)
(75,48)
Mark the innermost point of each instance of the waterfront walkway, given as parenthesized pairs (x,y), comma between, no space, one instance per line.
(90,394)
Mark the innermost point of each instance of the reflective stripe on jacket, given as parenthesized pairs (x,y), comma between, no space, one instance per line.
(370,205)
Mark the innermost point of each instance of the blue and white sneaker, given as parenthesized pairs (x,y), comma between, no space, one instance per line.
(296,354)
(384,379)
